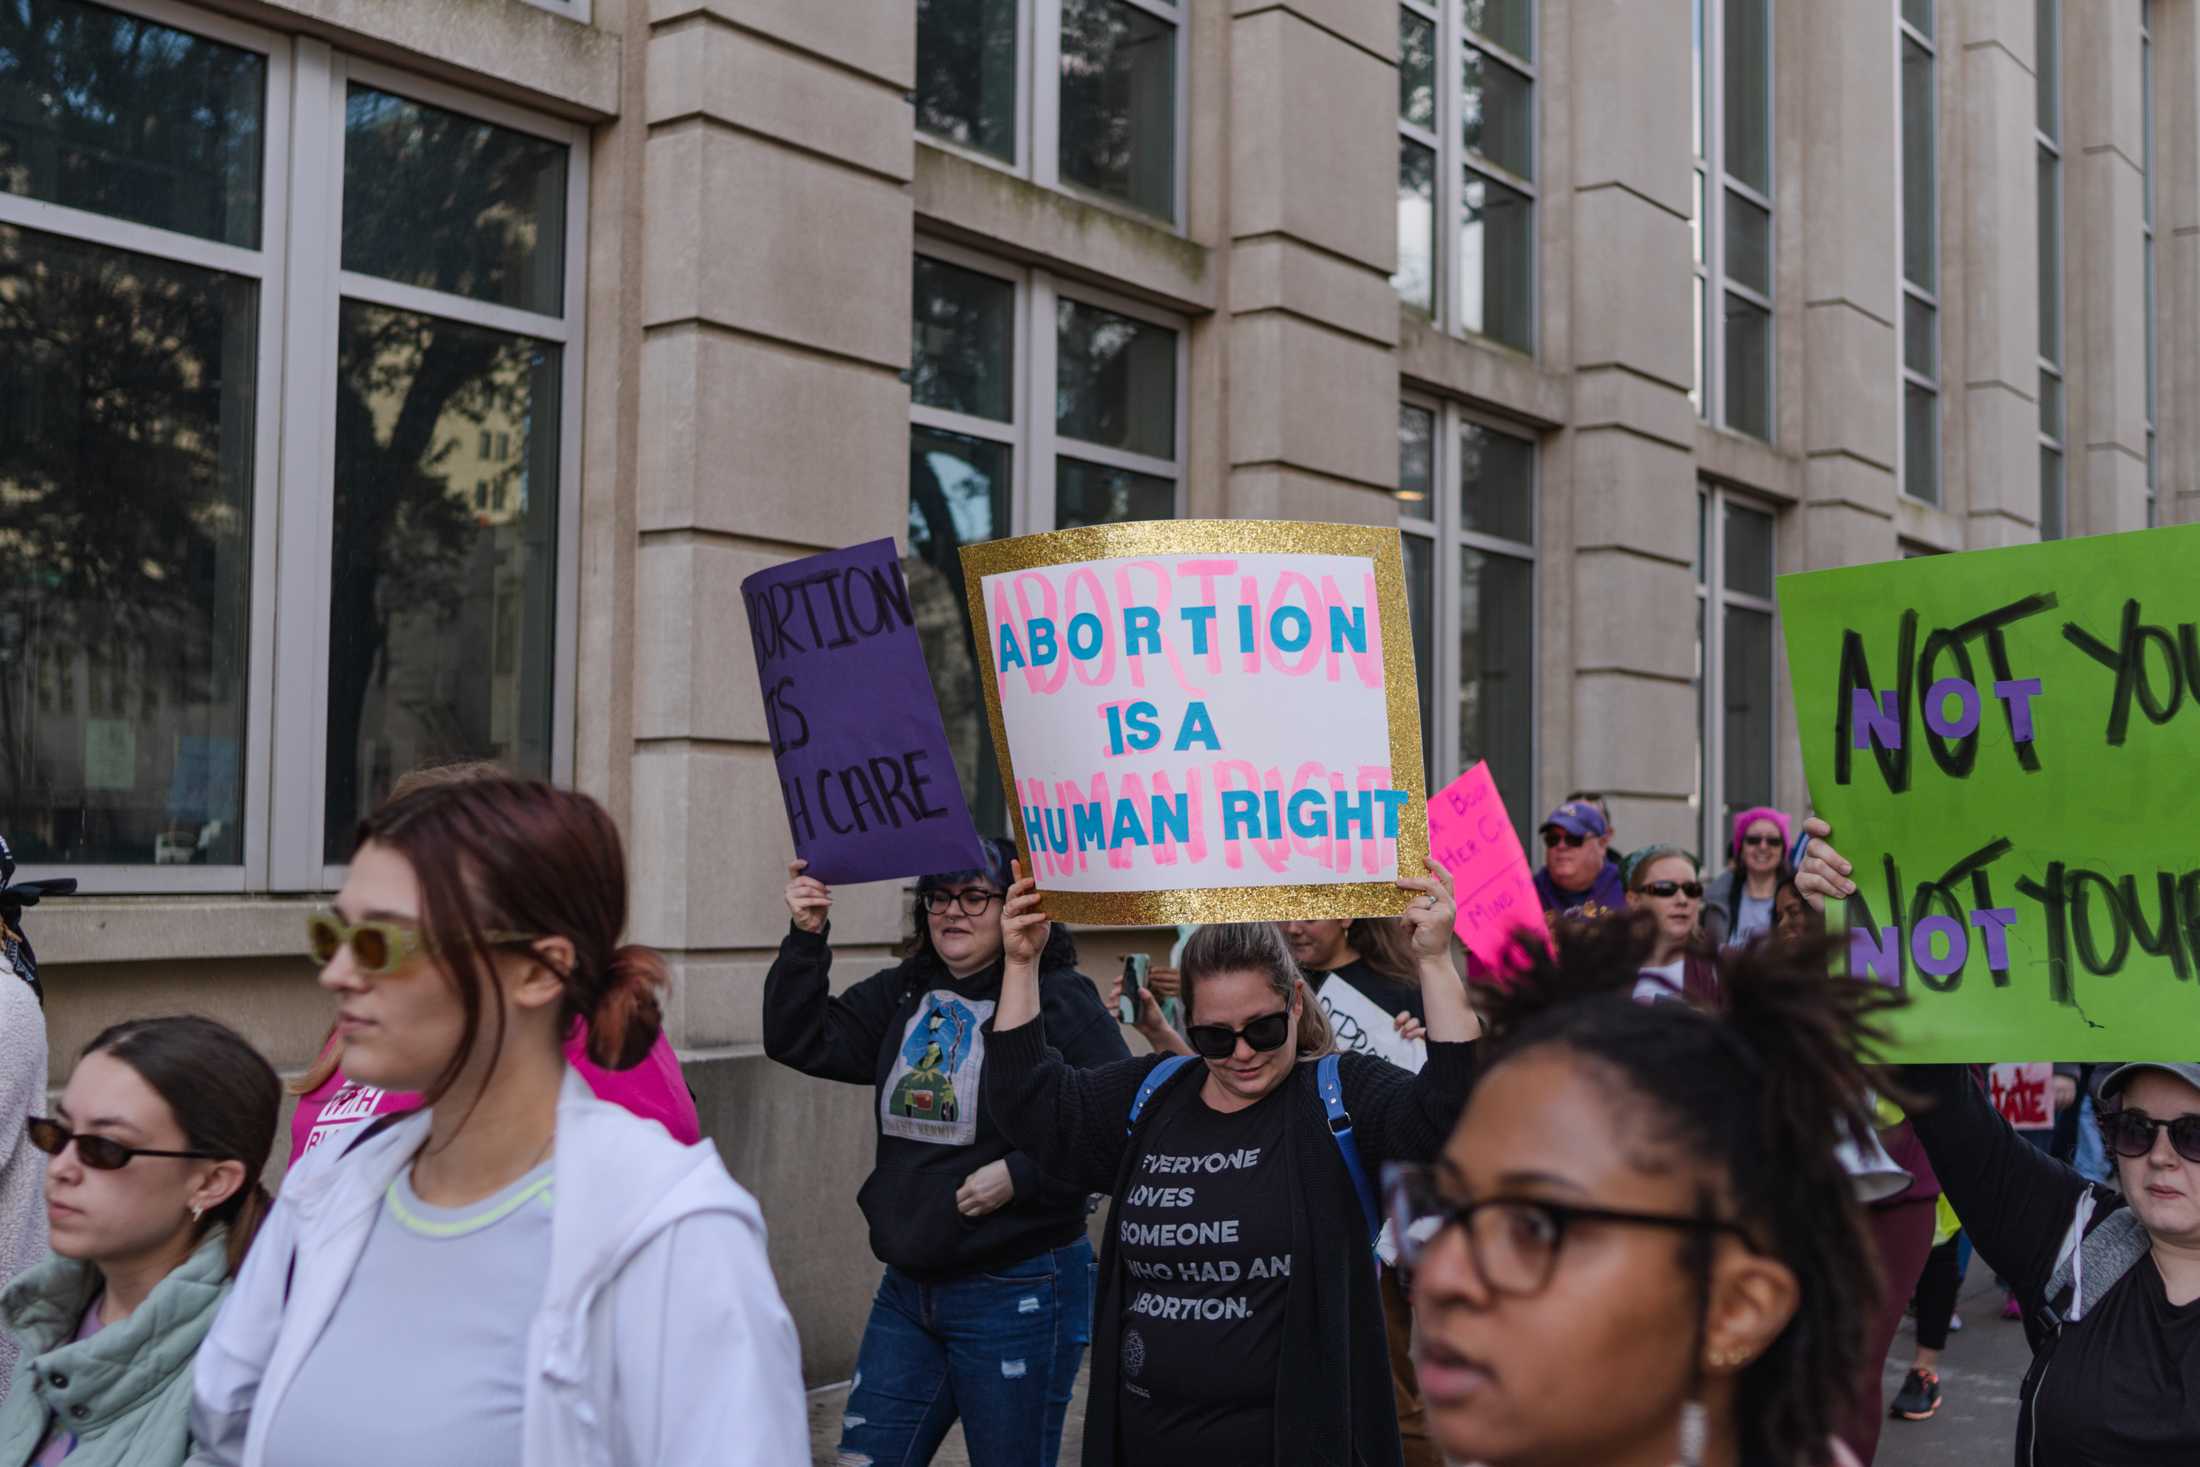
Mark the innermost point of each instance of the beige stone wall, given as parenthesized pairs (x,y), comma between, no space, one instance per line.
(756,192)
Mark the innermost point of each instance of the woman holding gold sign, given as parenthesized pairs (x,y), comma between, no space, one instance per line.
(1238,1263)
(2109,1280)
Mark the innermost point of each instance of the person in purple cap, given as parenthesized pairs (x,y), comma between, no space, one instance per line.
(1738,902)
(1576,879)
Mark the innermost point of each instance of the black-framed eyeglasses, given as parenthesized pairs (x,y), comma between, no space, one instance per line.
(2130,1133)
(1693,890)
(973,900)
(1513,1241)
(100,1153)
(1554,837)
(1760,840)
(1214,1041)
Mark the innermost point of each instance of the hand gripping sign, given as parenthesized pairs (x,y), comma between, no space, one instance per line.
(1205,720)
(2004,742)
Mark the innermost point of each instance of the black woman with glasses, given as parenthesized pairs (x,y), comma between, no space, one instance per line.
(1240,1319)
(1638,1247)
(153,1157)
(2108,1278)
(985,1307)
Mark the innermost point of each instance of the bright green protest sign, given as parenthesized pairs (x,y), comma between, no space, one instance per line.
(2006,743)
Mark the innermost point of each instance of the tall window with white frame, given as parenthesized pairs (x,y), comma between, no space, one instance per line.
(1082,94)
(1918,191)
(2047,136)
(1467,165)
(1467,511)
(238,402)
(1032,409)
(1732,223)
(2146,193)
(1735,685)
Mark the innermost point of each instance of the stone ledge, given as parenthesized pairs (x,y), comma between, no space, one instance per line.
(166,929)
(545,59)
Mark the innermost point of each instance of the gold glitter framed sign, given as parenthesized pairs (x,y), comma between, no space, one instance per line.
(1205,720)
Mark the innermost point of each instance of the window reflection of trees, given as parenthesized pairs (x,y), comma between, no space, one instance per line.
(422,578)
(966,73)
(1118,122)
(126,440)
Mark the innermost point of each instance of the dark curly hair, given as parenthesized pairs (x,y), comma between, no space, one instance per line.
(1762,1092)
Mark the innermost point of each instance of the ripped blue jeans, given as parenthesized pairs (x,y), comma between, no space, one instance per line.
(999,1352)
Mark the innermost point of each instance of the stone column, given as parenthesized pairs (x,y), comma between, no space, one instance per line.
(2177,258)
(2104,143)
(1994,235)
(1842,56)
(1312,321)
(1621,72)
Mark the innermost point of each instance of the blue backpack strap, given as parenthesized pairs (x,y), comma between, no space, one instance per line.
(1156,1077)
(1331,1084)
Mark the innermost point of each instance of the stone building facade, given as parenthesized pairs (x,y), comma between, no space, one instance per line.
(444,367)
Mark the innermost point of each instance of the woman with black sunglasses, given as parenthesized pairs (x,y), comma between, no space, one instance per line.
(2108,1279)
(1662,880)
(1637,1248)
(987,1261)
(153,1195)
(1239,1319)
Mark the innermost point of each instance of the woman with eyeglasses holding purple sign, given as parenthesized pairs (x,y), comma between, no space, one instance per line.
(1240,1318)
(986,1304)
(2108,1278)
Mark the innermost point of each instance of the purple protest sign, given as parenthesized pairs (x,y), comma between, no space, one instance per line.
(869,785)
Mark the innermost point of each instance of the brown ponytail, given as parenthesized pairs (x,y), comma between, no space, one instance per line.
(630,1015)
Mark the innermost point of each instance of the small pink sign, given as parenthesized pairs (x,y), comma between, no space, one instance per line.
(1470,834)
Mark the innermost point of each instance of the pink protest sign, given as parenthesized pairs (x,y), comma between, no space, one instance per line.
(1471,836)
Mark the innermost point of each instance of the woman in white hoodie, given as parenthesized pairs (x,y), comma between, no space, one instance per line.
(518,1273)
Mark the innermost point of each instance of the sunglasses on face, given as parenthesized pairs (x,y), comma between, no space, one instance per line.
(1760,840)
(1693,890)
(2131,1133)
(1513,1242)
(971,900)
(377,947)
(99,1153)
(1215,1042)
(1554,838)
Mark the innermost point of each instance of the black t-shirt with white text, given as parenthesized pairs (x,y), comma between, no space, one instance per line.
(1204,1238)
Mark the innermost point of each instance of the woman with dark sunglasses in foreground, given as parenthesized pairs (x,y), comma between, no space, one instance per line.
(1638,1247)
(1238,1264)
(519,1273)
(985,1305)
(2109,1280)
(153,1194)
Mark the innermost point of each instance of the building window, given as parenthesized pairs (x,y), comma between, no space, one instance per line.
(1731,223)
(1035,405)
(1102,112)
(1467,512)
(1735,683)
(2146,191)
(1918,191)
(1467,166)
(2047,136)
(245,391)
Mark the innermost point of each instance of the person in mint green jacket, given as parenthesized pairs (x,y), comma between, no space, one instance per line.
(152,1197)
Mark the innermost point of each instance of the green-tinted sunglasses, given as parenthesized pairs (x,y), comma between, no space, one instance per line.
(377,947)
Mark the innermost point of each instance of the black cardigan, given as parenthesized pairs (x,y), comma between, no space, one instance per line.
(1334,1406)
